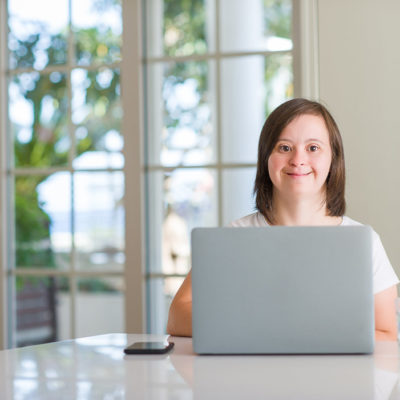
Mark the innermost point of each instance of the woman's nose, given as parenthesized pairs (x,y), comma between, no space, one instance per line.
(297,158)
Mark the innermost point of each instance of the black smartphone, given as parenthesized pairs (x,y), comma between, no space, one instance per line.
(149,348)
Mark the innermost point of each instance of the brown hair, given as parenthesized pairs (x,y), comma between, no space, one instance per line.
(273,127)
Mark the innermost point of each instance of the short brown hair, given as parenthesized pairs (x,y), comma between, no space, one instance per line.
(273,127)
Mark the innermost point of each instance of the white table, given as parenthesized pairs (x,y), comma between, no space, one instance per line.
(96,368)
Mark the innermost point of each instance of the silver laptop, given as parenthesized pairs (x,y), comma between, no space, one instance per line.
(282,290)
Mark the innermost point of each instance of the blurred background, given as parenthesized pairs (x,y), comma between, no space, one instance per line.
(211,72)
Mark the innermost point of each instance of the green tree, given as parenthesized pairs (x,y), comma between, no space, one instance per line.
(49,143)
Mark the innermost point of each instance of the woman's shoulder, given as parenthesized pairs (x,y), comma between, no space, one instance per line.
(347,221)
(252,220)
(384,275)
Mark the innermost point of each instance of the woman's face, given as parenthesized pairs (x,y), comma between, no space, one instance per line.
(300,161)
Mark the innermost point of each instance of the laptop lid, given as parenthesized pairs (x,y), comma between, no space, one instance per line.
(282,290)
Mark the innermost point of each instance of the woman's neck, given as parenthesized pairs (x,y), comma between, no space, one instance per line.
(307,211)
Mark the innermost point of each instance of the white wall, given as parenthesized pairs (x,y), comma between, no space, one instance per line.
(359,70)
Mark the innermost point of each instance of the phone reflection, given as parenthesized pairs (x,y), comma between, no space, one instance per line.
(152,376)
(290,376)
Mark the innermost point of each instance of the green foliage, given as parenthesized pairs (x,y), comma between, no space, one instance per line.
(91,285)
(87,285)
(34,282)
(32,226)
(49,144)
(102,101)
(277,16)
(42,149)
(31,222)
(184,27)
(38,49)
(273,64)
(179,73)
(94,46)
(184,33)
(104,5)
(30,217)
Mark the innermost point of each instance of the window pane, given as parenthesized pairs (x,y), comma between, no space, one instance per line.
(63,118)
(42,221)
(244,105)
(278,80)
(179,27)
(63,304)
(264,25)
(38,33)
(184,133)
(42,310)
(238,199)
(38,119)
(179,201)
(97,26)
(161,293)
(55,199)
(97,113)
(99,220)
(106,296)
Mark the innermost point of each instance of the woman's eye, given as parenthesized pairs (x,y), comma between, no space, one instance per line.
(284,148)
(313,148)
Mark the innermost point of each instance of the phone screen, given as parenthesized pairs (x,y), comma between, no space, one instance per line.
(149,348)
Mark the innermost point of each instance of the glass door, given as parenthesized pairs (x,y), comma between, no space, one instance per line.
(214,71)
(65,177)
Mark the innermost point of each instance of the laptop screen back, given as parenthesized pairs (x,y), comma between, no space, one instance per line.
(282,290)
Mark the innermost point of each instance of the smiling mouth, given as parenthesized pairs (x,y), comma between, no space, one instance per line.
(297,174)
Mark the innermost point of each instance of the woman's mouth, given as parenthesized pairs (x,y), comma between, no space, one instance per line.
(298,174)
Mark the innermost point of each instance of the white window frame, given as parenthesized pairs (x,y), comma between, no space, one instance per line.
(305,49)
(132,127)
(3,177)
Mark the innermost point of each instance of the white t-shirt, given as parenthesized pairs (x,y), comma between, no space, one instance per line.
(384,275)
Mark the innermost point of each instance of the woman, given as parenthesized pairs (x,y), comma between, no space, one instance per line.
(301,181)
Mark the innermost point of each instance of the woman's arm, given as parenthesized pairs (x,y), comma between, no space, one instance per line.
(385,314)
(180,312)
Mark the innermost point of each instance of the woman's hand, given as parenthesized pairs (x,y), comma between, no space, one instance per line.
(385,314)
(180,312)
